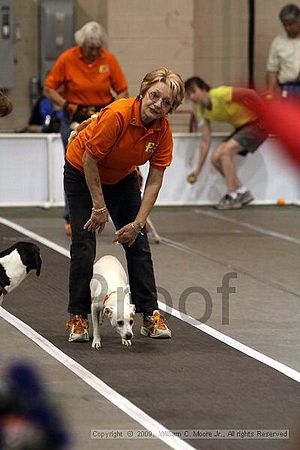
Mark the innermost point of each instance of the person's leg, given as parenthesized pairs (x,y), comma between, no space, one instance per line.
(83,246)
(223,160)
(244,140)
(123,202)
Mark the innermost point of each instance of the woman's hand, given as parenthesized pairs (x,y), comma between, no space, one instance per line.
(127,234)
(97,221)
(70,108)
(5,105)
(99,214)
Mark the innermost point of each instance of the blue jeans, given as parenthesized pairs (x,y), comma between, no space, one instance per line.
(123,201)
(290,90)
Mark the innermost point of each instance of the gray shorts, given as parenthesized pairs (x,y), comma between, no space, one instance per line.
(249,136)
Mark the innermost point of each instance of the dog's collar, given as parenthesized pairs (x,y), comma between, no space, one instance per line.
(3,291)
(126,291)
(106,298)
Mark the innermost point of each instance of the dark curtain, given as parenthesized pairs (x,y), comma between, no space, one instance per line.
(251,43)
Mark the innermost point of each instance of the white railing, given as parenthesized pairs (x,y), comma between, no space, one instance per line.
(31,169)
(32,165)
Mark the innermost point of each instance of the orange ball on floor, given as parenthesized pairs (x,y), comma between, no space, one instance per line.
(281,201)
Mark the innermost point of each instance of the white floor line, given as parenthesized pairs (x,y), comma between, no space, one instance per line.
(250,226)
(118,400)
(36,237)
(288,371)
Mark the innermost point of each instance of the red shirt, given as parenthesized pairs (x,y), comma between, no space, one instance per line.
(86,82)
(119,141)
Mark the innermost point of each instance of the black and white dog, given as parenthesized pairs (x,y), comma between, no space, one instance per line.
(15,264)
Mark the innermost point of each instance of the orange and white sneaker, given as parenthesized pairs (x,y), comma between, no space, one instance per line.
(78,327)
(156,326)
(68,229)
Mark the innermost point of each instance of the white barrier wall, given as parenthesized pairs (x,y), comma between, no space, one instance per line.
(267,173)
(31,170)
(32,165)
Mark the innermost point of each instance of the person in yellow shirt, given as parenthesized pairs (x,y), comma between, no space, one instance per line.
(227,104)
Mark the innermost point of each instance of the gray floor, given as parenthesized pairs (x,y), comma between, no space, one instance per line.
(258,246)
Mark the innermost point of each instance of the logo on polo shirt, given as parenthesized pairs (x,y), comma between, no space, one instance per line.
(150,147)
(103,68)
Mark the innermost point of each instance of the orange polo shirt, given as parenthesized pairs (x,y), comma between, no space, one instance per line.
(85,82)
(118,140)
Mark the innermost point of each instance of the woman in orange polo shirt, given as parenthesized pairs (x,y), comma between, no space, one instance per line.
(100,179)
(84,79)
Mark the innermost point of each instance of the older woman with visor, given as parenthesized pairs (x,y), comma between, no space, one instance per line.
(100,179)
(84,79)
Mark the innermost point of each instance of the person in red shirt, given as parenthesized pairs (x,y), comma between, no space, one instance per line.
(100,179)
(84,79)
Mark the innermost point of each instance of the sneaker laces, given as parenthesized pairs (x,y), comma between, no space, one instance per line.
(228,198)
(160,321)
(225,198)
(80,324)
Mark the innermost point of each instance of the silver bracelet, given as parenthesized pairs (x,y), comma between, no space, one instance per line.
(100,210)
(137,227)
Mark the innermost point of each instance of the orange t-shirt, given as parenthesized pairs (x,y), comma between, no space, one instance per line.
(120,142)
(84,82)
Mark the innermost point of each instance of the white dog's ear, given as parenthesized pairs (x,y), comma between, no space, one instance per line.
(108,310)
(132,307)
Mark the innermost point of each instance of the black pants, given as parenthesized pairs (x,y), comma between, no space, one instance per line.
(123,201)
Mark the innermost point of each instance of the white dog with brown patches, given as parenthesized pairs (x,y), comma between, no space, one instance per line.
(111,298)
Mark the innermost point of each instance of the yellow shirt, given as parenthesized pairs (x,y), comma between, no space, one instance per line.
(224,109)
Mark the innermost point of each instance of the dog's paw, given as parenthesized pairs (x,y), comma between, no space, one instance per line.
(126,342)
(96,343)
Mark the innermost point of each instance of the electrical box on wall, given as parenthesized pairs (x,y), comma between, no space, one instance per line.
(6,45)
(57,31)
